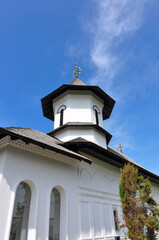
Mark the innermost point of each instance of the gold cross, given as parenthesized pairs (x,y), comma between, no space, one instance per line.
(77,71)
(120,147)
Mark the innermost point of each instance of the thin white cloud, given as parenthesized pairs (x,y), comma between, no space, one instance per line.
(115,21)
(108,26)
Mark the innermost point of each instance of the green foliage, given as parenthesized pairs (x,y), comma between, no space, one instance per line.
(140,210)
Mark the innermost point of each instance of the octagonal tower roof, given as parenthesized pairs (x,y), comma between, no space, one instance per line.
(77,85)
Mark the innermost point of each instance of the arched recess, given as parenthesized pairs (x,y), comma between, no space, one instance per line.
(58,214)
(97,182)
(85,179)
(97,112)
(24,215)
(107,185)
(61,111)
(115,184)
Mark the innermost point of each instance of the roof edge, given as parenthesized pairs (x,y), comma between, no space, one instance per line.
(46,101)
(43,145)
(83,125)
(103,154)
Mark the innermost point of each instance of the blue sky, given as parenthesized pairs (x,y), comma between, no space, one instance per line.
(115,42)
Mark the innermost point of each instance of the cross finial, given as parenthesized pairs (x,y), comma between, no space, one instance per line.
(77,71)
(120,147)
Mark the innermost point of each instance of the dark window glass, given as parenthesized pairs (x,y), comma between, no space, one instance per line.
(116,219)
(61,117)
(61,111)
(96,115)
(97,112)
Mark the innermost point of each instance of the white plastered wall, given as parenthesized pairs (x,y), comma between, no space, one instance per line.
(42,174)
(91,135)
(98,195)
(79,107)
(88,192)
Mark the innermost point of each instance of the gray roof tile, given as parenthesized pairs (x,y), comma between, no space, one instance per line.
(37,138)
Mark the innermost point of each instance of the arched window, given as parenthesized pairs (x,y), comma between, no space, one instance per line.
(19,227)
(61,110)
(54,226)
(96,110)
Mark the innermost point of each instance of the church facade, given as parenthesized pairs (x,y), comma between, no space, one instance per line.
(64,185)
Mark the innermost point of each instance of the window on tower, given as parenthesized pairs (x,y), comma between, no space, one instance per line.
(97,112)
(61,112)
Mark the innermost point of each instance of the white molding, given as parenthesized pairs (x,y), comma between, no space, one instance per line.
(102,238)
(87,195)
(98,192)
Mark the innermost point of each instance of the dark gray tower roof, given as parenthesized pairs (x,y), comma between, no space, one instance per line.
(77,85)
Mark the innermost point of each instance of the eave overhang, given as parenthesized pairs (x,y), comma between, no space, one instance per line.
(47,105)
(76,125)
(106,155)
(14,136)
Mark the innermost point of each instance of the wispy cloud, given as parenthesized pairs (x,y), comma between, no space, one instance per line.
(120,134)
(116,20)
(109,26)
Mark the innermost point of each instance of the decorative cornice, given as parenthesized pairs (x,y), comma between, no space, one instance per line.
(83,125)
(93,193)
(97,191)
(98,197)
(102,238)
(7,141)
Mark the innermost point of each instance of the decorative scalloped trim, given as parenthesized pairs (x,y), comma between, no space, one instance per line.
(6,141)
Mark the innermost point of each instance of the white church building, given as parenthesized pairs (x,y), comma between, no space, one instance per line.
(63,185)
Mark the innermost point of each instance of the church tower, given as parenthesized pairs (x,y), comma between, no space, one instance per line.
(78,111)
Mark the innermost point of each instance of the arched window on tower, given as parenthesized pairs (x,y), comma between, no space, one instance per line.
(19,226)
(97,112)
(61,110)
(54,225)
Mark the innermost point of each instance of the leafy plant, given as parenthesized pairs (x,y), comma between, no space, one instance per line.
(140,210)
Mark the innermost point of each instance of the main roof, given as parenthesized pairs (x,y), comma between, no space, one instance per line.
(109,155)
(77,85)
(74,148)
(43,140)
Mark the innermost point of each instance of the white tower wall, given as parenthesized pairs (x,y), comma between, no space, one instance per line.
(79,108)
(91,135)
